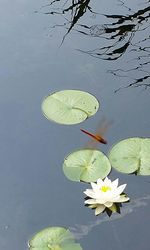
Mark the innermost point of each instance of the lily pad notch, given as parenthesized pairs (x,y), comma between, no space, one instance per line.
(86,165)
(69,106)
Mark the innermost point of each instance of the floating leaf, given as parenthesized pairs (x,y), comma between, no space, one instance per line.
(86,165)
(69,106)
(53,238)
(131,155)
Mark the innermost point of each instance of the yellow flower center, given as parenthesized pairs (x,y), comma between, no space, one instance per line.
(105,188)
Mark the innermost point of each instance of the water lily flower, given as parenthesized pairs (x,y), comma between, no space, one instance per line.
(105,194)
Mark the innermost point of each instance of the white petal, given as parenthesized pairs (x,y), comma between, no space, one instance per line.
(106,196)
(100,182)
(99,209)
(115,199)
(115,183)
(120,189)
(90,201)
(123,199)
(101,201)
(107,182)
(120,198)
(108,204)
(94,186)
(88,190)
(89,193)
(106,178)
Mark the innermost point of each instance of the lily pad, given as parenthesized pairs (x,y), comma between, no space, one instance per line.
(131,156)
(54,238)
(86,165)
(69,106)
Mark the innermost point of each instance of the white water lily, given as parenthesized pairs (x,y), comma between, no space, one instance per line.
(104,194)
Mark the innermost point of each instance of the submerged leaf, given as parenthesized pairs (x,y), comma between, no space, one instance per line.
(54,238)
(131,156)
(69,106)
(86,165)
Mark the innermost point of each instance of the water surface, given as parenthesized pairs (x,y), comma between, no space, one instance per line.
(33,190)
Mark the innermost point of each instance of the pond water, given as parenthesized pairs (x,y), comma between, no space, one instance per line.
(106,53)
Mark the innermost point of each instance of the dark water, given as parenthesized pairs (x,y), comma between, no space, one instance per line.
(103,54)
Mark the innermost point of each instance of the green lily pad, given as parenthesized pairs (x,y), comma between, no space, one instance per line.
(69,106)
(86,165)
(131,156)
(54,238)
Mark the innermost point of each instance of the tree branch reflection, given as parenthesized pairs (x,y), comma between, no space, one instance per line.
(75,8)
(118,36)
(122,36)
